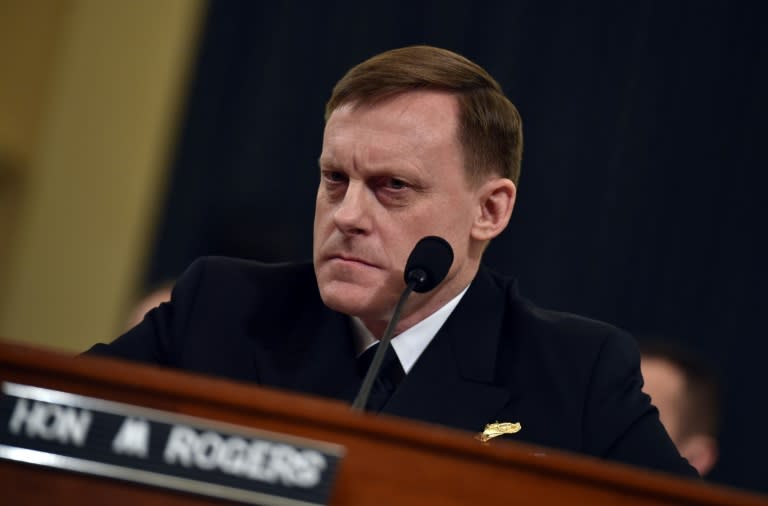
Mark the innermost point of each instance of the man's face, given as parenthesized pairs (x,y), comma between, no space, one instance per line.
(666,385)
(391,173)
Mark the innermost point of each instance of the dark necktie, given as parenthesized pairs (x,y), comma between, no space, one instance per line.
(390,375)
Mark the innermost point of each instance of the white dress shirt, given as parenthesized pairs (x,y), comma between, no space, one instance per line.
(410,344)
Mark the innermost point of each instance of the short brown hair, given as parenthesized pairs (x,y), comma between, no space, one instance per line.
(490,128)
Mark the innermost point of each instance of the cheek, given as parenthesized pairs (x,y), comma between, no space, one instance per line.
(320,203)
(455,219)
(322,213)
(320,230)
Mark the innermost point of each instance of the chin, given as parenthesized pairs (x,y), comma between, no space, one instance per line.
(353,299)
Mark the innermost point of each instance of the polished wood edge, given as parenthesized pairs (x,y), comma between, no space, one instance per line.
(235,396)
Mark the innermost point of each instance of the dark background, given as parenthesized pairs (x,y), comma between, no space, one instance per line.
(641,200)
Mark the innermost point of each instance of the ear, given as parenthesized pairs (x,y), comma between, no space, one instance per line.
(701,451)
(496,199)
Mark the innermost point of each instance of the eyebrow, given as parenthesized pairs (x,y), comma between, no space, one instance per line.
(329,160)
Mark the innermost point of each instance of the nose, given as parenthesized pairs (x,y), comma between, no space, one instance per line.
(352,215)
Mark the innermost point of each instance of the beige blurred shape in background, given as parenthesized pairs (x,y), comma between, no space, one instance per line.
(90,98)
(670,392)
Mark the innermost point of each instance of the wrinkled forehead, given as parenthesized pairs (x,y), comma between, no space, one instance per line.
(416,121)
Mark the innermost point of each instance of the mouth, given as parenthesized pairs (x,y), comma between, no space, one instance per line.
(351,260)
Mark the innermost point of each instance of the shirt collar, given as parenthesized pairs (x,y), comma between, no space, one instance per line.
(410,344)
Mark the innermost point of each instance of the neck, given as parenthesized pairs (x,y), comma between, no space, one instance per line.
(417,309)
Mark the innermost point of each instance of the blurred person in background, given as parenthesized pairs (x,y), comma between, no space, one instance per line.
(685,389)
(156,296)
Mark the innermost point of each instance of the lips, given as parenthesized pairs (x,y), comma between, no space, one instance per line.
(351,259)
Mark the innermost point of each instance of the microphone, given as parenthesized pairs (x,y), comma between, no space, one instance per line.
(427,266)
(428,263)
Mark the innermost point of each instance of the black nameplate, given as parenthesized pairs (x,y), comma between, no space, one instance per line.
(93,436)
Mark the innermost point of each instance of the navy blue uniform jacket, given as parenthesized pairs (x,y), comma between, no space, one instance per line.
(573,383)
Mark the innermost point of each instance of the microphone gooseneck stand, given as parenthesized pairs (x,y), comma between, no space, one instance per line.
(416,277)
(427,266)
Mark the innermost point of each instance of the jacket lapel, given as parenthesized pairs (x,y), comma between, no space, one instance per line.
(452,383)
(315,354)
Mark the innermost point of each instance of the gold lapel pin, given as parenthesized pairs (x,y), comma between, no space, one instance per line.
(493,430)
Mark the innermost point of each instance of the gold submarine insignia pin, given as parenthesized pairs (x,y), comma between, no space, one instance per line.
(493,430)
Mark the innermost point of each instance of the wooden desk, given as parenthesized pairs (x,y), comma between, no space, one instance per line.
(386,461)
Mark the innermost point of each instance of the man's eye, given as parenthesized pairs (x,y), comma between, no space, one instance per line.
(334,176)
(396,184)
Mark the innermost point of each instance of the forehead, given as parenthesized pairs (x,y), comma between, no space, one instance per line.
(412,119)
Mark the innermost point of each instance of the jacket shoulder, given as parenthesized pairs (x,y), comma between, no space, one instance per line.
(225,279)
(229,269)
(559,329)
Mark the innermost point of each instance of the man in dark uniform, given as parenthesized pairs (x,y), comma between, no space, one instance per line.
(418,141)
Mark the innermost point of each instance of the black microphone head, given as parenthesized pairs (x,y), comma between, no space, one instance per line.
(428,263)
